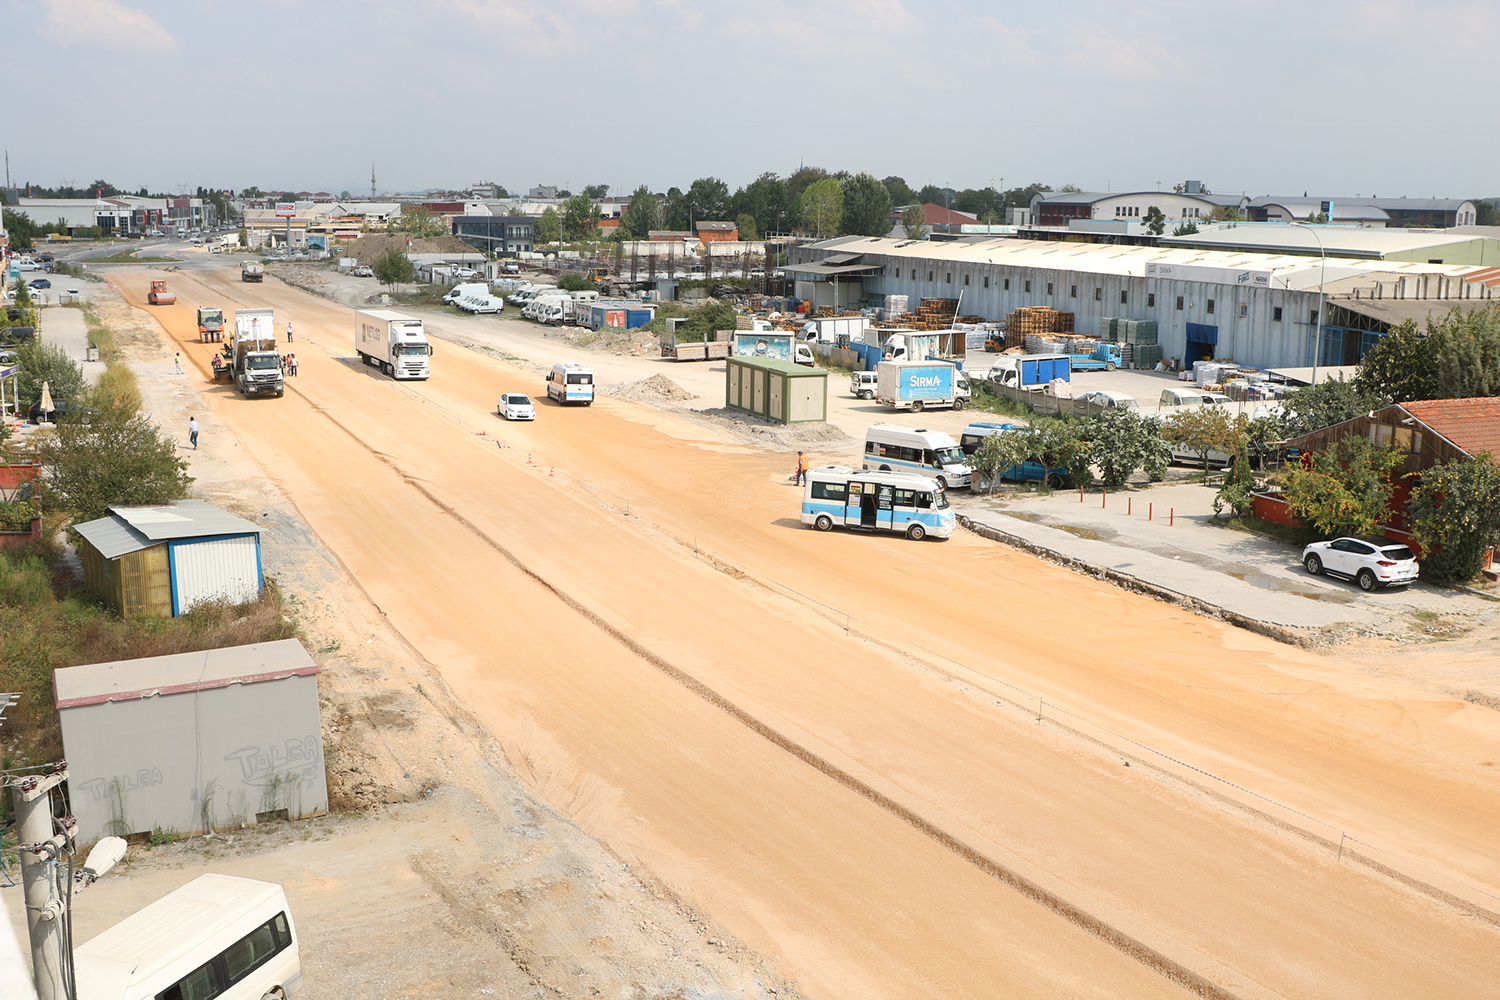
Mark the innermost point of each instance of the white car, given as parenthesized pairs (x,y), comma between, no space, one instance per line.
(1109,399)
(1369,562)
(863,384)
(465,272)
(515,406)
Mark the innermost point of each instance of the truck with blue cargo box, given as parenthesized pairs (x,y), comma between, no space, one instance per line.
(1031,370)
(920,385)
(1027,472)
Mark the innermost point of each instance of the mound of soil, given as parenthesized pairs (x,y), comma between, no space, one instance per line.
(656,389)
(368,248)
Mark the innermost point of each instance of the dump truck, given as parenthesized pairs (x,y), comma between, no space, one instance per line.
(159,296)
(210,324)
(256,366)
(393,342)
(252,270)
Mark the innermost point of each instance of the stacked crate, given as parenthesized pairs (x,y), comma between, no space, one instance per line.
(933,314)
(1035,321)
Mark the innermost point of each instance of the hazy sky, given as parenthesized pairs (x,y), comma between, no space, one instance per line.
(1340,97)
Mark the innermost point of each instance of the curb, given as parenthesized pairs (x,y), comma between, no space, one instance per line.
(1125,581)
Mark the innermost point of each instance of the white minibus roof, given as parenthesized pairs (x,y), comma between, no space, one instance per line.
(143,944)
(896,434)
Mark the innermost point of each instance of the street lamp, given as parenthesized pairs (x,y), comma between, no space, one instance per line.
(1322,297)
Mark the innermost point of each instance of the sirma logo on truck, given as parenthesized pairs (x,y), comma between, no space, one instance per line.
(925,381)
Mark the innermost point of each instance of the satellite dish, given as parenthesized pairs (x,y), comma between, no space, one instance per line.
(105,855)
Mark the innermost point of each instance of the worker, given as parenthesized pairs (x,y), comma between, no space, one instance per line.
(802,464)
(288,331)
(291,363)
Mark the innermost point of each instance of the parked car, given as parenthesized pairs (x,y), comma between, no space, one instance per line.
(465,272)
(864,384)
(40,283)
(363,271)
(515,406)
(1369,562)
(511,267)
(1110,399)
(60,410)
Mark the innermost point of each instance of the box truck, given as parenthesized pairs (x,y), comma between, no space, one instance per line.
(394,343)
(920,385)
(255,365)
(777,345)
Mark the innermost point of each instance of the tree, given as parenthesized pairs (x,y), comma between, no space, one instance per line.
(548,227)
(867,206)
(1047,441)
(766,199)
(1400,366)
(1455,513)
(641,215)
(580,214)
(986,204)
(801,180)
(1485,211)
(117,458)
(914,222)
(1226,213)
(1344,490)
(822,207)
(1456,357)
(708,200)
(931,194)
(675,210)
(1313,407)
(393,268)
(1202,429)
(23,232)
(1186,229)
(574,283)
(597,191)
(1070,189)
(1156,222)
(48,363)
(745,223)
(1121,442)
(418,221)
(897,188)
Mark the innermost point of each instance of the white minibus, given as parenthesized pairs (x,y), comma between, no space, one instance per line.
(881,501)
(571,383)
(893,448)
(219,937)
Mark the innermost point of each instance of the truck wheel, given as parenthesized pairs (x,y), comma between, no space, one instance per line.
(958,404)
(942,481)
(1109,366)
(916,406)
(916,532)
(823,523)
(1055,481)
(885,468)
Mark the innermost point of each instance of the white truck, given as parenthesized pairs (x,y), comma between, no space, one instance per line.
(256,365)
(394,343)
(828,329)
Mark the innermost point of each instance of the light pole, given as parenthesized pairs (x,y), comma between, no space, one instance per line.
(1322,298)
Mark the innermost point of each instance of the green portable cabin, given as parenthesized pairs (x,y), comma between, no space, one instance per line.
(777,390)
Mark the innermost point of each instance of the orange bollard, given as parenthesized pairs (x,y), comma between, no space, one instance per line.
(1171,517)
(1128,502)
(1149,511)
(1080,494)
(1103,498)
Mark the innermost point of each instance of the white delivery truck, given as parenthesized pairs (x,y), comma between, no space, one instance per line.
(394,343)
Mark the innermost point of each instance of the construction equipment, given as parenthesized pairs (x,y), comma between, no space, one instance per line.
(211,324)
(252,270)
(159,295)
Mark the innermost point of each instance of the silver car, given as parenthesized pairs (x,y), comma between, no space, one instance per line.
(1369,562)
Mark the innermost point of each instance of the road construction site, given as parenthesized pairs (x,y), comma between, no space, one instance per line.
(888,769)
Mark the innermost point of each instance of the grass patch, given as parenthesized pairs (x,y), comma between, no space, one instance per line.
(48,621)
(1281,532)
(985,401)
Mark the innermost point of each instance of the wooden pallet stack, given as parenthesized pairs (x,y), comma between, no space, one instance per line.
(932,314)
(1035,321)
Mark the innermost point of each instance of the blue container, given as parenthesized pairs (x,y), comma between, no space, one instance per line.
(637,317)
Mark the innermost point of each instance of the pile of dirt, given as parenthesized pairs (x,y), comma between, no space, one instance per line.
(656,389)
(636,343)
(757,430)
(368,248)
(306,278)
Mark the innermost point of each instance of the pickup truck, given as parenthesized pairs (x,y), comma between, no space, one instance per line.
(1105,358)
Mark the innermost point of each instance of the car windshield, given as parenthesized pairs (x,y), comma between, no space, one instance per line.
(950,456)
(518,401)
(1399,552)
(263,361)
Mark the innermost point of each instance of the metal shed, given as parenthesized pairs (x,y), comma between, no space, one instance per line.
(777,390)
(163,560)
(193,742)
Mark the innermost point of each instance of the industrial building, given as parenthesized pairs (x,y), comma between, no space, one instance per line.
(193,742)
(160,561)
(1257,309)
(498,234)
(1191,203)
(1355,242)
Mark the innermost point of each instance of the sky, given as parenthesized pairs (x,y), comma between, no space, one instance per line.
(1333,97)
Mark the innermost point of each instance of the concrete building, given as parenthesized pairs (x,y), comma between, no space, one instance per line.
(1255,308)
(1059,208)
(160,561)
(496,233)
(193,742)
(1432,247)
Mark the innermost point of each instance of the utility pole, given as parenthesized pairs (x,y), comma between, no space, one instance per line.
(372,180)
(31,798)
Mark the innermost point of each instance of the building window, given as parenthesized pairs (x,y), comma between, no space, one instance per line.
(966,279)
(1049,288)
(913,274)
(929,275)
(1006,286)
(1028,286)
(1210,307)
(986,281)
(1179,303)
(1312,317)
(1072,291)
(1276,315)
(1150,300)
(948,277)
(1124,296)
(1098,295)
(1244,309)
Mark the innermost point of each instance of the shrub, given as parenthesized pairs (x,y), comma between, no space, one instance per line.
(1455,514)
(1347,490)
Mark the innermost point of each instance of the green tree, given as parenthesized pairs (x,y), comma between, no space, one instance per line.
(1455,513)
(1186,229)
(765,198)
(1400,366)
(1314,407)
(1202,429)
(1053,444)
(580,214)
(986,204)
(548,227)
(1347,488)
(419,221)
(675,210)
(707,318)
(1156,222)
(801,180)
(1120,442)
(117,458)
(821,207)
(574,283)
(641,215)
(897,188)
(393,268)
(708,200)
(931,194)
(1466,351)
(998,453)
(914,222)
(48,363)
(597,191)
(745,223)
(867,206)
(23,232)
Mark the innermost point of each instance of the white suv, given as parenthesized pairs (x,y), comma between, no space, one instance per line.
(863,385)
(1369,562)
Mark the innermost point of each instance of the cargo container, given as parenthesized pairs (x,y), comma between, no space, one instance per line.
(919,385)
(394,343)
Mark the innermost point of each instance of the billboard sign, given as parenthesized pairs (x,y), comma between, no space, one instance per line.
(285,210)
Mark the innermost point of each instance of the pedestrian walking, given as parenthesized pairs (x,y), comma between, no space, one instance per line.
(177,360)
(291,364)
(801,475)
(288,331)
(193,431)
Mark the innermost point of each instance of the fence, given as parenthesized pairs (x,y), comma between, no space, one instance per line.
(1041,403)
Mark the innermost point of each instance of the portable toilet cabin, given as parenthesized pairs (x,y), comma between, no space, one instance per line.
(780,391)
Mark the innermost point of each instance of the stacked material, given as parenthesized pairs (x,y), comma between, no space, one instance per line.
(932,314)
(1142,355)
(1035,321)
(1136,331)
(895,305)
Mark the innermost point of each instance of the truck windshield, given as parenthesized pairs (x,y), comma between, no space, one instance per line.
(414,350)
(940,500)
(263,361)
(951,456)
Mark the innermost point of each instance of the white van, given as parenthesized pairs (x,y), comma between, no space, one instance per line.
(864,385)
(469,288)
(933,454)
(556,311)
(1181,397)
(571,383)
(218,936)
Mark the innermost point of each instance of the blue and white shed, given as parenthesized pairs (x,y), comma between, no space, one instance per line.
(163,560)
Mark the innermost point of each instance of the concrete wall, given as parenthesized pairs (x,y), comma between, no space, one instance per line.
(191,761)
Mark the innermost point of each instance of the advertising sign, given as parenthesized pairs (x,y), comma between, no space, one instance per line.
(928,383)
(285,210)
(773,346)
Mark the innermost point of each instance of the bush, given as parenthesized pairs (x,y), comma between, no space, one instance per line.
(574,283)
(1455,514)
(117,457)
(49,363)
(1348,489)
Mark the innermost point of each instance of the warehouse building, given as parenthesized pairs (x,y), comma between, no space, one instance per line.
(1432,247)
(1254,308)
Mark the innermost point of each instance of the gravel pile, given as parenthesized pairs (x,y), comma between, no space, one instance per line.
(656,389)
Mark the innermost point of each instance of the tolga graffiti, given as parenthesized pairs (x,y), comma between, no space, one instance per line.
(98,788)
(260,766)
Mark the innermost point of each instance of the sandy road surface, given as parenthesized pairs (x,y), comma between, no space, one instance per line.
(857,901)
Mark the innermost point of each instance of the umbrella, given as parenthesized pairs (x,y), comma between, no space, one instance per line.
(47,406)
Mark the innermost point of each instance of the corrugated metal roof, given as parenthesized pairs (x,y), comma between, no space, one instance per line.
(130,529)
(128,680)
(1336,239)
(1398,311)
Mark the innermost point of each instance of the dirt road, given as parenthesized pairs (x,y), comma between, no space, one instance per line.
(880,809)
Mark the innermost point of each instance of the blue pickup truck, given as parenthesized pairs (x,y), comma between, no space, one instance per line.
(1027,472)
(1105,358)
